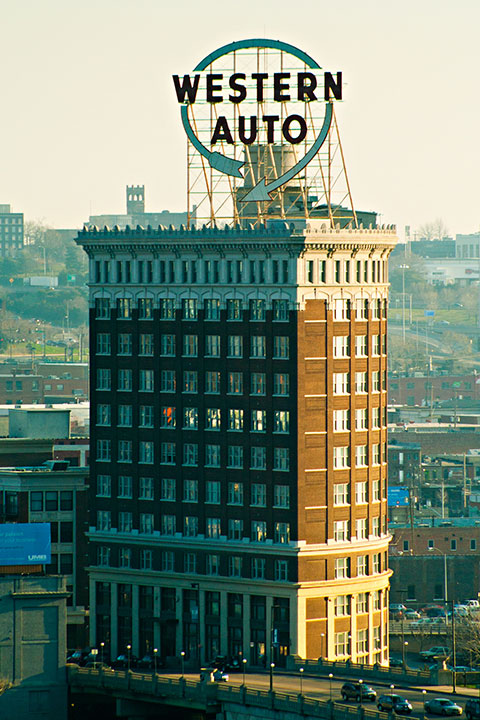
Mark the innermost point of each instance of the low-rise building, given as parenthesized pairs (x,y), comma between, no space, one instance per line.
(11,231)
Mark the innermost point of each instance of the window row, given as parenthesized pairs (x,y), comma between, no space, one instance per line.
(233,346)
(212,528)
(190,418)
(209,383)
(341,345)
(51,500)
(343,642)
(341,419)
(346,271)
(341,528)
(343,603)
(342,382)
(190,455)
(198,271)
(236,566)
(342,456)
(234,491)
(341,493)
(342,309)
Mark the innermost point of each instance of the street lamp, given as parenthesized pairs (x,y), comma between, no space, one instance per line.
(129,650)
(403,267)
(155,651)
(301,681)
(322,635)
(392,688)
(424,692)
(244,663)
(272,665)
(404,650)
(360,682)
(102,647)
(183,662)
(330,677)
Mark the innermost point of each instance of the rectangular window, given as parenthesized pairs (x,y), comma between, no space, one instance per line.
(190,381)
(341,346)
(258,458)
(235,346)
(360,382)
(375,418)
(125,486)
(281,533)
(102,308)
(168,525)
(281,496)
(375,454)
(168,561)
(104,520)
(361,493)
(125,382)
(280,310)
(103,556)
(257,310)
(124,309)
(212,456)
(213,528)
(361,528)
(146,383)
(145,416)
(104,489)
(375,490)
(212,382)
(281,459)
(235,456)
(341,420)
(259,531)
(104,346)
(168,452)
(341,457)
(125,416)
(281,421)
(124,344)
(190,418)
(212,492)
(361,456)
(375,345)
(234,310)
(258,568)
(281,570)
(104,379)
(362,645)
(167,489)
(125,522)
(375,381)
(361,346)
(361,565)
(235,419)
(281,347)
(167,345)
(189,309)
(167,309)
(104,450)
(146,559)
(341,309)
(168,417)
(190,526)
(212,309)
(341,383)
(190,345)
(190,491)
(340,494)
(146,452)
(258,346)
(190,454)
(258,495)
(258,383)
(146,523)
(258,421)
(361,604)
(212,419)
(235,383)
(190,563)
(145,309)
(145,346)
(235,566)
(167,381)
(341,645)
(342,568)
(342,605)
(145,488)
(212,345)
(213,564)
(281,384)
(340,530)
(103,415)
(235,493)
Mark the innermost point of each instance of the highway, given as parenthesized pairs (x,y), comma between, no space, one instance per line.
(319,688)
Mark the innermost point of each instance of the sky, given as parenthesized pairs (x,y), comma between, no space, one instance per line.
(88,104)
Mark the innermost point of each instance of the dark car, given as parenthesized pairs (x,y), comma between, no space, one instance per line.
(395,662)
(149,662)
(358,691)
(98,665)
(472,709)
(397,703)
(442,706)
(122,662)
(77,657)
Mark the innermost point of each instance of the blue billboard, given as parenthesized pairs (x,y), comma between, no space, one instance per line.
(25,544)
(398,496)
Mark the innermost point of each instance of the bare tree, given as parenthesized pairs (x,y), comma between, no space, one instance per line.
(435,230)
(4,685)
(467,635)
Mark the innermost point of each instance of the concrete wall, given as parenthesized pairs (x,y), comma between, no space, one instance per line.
(33,647)
(42,423)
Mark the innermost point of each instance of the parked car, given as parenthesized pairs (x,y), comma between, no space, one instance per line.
(219,676)
(410,614)
(439,651)
(358,691)
(472,709)
(77,657)
(149,662)
(395,662)
(98,665)
(122,662)
(442,706)
(397,703)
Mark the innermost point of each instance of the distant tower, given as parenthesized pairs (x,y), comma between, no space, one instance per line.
(135,199)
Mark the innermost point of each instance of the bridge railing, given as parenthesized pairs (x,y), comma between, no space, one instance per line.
(204,694)
(373,673)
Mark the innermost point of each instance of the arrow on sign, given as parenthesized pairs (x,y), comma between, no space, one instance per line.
(220,162)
